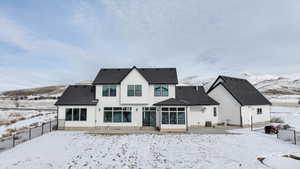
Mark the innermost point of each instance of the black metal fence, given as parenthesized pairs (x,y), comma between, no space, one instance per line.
(27,134)
(289,135)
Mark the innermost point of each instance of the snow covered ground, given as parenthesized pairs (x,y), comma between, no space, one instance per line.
(42,104)
(290,115)
(63,149)
(31,120)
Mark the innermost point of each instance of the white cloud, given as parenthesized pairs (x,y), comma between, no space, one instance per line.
(173,32)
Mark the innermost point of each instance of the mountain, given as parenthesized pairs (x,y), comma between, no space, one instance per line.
(48,91)
(267,84)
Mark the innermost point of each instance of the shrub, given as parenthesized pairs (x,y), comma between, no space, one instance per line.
(276,120)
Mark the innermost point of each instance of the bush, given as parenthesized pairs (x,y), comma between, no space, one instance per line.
(276,120)
(286,126)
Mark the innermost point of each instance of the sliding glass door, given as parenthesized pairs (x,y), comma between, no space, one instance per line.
(149,116)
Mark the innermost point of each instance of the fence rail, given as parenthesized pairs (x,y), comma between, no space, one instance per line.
(27,134)
(289,135)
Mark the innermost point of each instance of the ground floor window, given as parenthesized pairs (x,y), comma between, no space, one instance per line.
(173,115)
(117,114)
(76,114)
(215,112)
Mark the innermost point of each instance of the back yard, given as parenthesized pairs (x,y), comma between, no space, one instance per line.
(63,149)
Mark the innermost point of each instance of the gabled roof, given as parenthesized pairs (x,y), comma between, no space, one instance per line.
(189,96)
(152,75)
(78,95)
(242,90)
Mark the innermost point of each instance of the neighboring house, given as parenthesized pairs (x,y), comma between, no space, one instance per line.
(136,98)
(240,102)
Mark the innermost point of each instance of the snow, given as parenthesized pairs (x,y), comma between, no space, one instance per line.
(290,115)
(65,149)
(277,161)
(29,119)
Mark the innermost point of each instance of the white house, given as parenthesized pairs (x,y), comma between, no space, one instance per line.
(240,102)
(136,98)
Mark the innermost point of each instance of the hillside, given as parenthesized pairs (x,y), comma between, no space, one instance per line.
(270,85)
(41,91)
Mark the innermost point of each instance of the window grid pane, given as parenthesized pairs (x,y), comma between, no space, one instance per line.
(181,117)
(107,116)
(130,90)
(117,116)
(105,90)
(165,90)
(75,114)
(157,90)
(69,115)
(173,118)
(165,117)
(82,114)
(138,90)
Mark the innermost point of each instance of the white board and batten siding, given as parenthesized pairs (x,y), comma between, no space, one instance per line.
(198,115)
(229,108)
(248,111)
(135,102)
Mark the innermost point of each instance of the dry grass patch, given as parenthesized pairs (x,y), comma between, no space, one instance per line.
(276,120)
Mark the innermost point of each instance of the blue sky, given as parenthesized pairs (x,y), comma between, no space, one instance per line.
(63,42)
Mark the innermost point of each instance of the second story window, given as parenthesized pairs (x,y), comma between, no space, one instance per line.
(109,90)
(161,90)
(134,90)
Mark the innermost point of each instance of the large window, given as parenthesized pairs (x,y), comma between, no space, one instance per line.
(117,114)
(161,90)
(76,114)
(173,115)
(109,90)
(134,90)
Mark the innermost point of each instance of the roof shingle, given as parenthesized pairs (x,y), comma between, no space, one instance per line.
(78,95)
(189,96)
(152,75)
(242,90)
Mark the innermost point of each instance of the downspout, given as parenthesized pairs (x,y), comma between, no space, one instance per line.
(186,116)
(57,117)
(241,117)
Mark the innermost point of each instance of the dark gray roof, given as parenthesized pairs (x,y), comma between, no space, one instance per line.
(242,90)
(152,75)
(189,96)
(78,95)
(172,102)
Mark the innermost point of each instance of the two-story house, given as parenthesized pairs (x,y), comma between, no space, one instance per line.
(136,98)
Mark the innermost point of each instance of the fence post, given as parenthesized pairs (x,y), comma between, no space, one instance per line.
(42,128)
(295,137)
(50,126)
(30,133)
(14,141)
